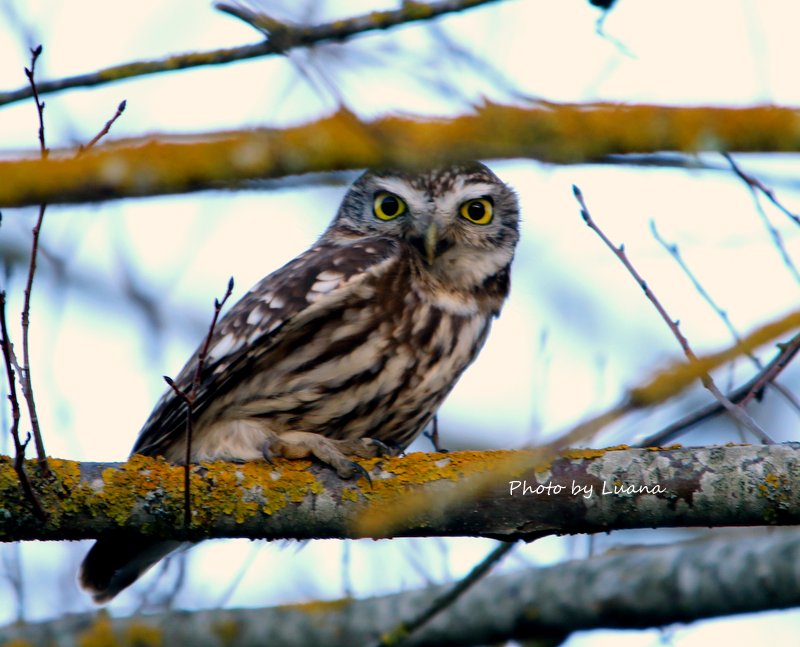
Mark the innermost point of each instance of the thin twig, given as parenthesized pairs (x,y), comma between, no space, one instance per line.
(201,357)
(673,250)
(104,130)
(753,389)
(737,412)
(405,628)
(25,375)
(36,52)
(19,446)
(292,37)
(756,184)
(189,398)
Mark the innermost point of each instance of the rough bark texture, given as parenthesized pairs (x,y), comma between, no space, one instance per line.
(554,133)
(584,491)
(628,588)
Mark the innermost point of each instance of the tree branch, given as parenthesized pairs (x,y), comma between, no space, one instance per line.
(681,582)
(554,133)
(585,491)
(279,42)
(738,413)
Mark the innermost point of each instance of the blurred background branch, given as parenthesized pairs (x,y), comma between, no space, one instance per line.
(281,37)
(552,133)
(543,605)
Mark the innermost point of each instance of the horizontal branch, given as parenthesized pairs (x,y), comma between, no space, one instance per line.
(552,133)
(280,40)
(584,491)
(630,589)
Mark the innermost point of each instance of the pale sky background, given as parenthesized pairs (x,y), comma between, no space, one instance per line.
(575,333)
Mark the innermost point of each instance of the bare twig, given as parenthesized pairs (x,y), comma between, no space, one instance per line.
(104,130)
(201,358)
(19,446)
(189,397)
(25,375)
(278,43)
(737,412)
(749,391)
(405,628)
(36,52)
(756,184)
(674,252)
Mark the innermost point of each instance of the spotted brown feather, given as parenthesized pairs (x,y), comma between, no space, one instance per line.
(240,339)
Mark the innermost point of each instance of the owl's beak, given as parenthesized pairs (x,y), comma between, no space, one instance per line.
(431,242)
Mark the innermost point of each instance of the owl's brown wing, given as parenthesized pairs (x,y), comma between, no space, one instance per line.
(319,279)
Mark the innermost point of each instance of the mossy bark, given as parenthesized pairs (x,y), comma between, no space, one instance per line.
(510,495)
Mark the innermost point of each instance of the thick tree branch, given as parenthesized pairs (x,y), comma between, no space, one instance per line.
(280,40)
(585,491)
(554,133)
(662,585)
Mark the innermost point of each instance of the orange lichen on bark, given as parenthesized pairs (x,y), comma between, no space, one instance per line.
(549,132)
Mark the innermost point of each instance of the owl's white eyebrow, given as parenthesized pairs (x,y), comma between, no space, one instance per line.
(476,190)
(396,185)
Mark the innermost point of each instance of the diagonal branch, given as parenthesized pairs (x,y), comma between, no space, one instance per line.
(736,411)
(401,633)
(752,389)
(279,42)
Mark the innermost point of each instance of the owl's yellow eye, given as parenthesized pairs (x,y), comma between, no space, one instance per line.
(479,211)
(387,206)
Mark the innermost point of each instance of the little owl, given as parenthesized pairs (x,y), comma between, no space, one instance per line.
(347,350)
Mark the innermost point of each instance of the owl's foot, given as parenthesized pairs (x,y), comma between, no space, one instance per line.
(302,444)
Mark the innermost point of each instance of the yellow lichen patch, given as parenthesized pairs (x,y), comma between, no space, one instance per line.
(779,492)
(395,498)
(350,494)
(139,477)
(589,454)
(242,491)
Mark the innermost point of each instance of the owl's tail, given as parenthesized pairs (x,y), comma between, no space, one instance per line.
(116,562)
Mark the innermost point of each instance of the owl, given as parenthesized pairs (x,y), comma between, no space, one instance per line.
(347,350)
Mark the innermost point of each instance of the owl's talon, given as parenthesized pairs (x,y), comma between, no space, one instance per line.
(381,448)
(357,469)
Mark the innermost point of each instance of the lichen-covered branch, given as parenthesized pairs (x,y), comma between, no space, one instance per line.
(554,133)
(280,40)
(584,491)
(662,585)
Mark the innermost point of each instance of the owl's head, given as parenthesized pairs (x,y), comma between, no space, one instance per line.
(462,221)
